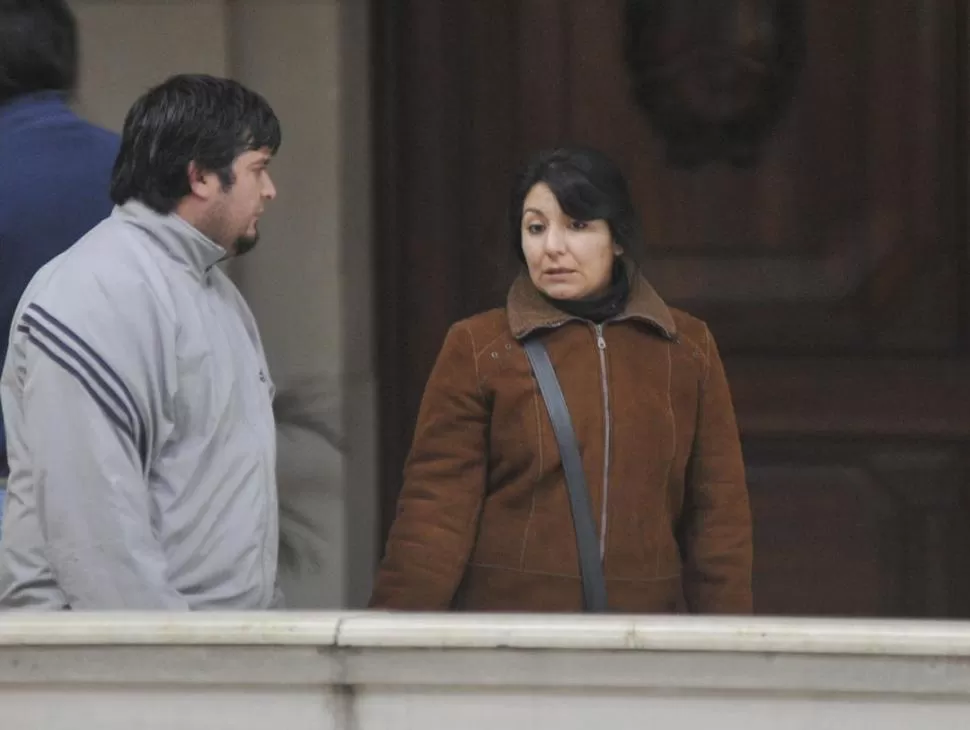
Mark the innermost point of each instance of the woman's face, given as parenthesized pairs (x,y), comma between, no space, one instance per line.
(567,258)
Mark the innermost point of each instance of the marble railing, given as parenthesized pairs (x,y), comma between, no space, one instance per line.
(292,671)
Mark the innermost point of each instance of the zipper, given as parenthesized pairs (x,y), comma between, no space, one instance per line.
(607,436)
(256,416)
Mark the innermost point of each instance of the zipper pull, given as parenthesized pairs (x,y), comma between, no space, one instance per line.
(600,342)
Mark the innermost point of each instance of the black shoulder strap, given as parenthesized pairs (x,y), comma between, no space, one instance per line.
(590,565)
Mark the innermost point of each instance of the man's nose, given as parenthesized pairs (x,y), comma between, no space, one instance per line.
(269,189)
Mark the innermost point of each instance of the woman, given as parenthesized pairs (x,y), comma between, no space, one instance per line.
(484,520)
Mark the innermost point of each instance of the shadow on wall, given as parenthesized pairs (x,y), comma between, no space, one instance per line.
(310,461)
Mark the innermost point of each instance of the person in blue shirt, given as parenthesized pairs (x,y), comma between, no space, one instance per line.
(55,168)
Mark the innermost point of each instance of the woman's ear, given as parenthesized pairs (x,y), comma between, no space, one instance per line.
(617,249)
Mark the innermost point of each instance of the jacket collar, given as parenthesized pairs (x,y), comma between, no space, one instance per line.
(179,239)
(528,311)
(29,108)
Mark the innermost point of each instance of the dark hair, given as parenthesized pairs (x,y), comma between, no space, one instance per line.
(188,118)
(38,47)
(588,185)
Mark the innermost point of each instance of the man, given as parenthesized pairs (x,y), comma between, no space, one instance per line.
(54,168)
(140,429)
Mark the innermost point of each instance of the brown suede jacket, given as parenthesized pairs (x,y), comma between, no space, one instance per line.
(484,521)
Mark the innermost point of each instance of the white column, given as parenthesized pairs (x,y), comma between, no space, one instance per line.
(308,281)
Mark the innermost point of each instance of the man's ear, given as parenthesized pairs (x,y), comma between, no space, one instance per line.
(200,181)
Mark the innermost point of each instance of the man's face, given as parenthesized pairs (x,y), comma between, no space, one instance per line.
(236,210)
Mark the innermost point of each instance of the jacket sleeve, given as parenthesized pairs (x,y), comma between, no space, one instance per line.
(89,408)
(716,538)
(444,485)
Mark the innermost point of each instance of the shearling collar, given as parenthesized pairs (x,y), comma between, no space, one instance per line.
(529,311)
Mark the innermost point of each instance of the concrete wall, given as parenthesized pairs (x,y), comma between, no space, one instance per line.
(309,280)
(412,672)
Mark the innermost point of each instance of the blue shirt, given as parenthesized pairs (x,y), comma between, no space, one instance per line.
(55,174)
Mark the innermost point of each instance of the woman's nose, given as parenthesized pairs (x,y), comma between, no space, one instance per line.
(555,240)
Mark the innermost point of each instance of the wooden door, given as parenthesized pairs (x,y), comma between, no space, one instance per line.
(834,274)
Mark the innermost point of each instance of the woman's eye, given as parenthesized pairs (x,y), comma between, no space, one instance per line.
(580,225)
(535,228)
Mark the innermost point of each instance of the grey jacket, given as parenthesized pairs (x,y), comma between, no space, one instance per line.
(141,439)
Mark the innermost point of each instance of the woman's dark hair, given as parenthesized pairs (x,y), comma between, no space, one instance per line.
(188,118)
(38,47)
(588,185)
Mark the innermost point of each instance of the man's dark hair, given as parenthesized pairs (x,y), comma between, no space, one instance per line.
(588,185)
(38,48)
(188,118)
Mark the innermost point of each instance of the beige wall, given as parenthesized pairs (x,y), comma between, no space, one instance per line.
(308,281)
(127,46)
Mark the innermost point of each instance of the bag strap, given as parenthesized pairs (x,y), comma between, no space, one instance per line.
(590,564)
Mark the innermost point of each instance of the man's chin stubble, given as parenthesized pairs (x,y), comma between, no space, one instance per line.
(245,244)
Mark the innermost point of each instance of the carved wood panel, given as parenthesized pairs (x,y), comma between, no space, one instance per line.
(858,528)
(834,274)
